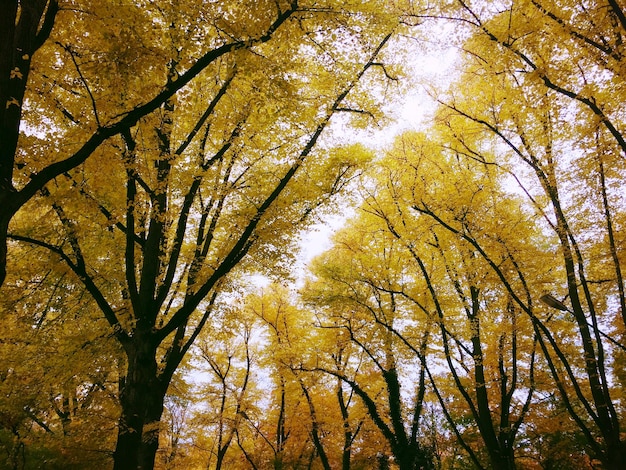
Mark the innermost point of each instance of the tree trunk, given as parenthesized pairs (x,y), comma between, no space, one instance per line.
(152,426)
(615,455)
(23,29)
(5,217)
(220,458)
(141,398)
(502,459)
(346,452)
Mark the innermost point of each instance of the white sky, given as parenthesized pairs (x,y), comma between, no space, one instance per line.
(413,110)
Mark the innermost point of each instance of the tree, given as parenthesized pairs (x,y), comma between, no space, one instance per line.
(228,398)
(360,290)
(434,203)
(547,119)
(198,184)
(311,420)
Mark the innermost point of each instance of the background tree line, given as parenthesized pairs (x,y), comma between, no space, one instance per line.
(158,156)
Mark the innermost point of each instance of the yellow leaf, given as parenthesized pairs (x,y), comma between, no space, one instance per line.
(15,73)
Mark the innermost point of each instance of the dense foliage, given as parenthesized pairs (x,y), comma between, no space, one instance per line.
(159,162)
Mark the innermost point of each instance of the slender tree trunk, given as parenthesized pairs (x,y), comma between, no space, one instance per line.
(281,436)
(315,434)
(346,452)
(221,453)
(5,217)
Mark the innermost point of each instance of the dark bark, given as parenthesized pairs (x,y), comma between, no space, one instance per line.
(150,436)
(346,452)
(315,431)
(19,40)
(619,13)
(281,432)
(408,452)
(139,391)
(6,213)
(20,37)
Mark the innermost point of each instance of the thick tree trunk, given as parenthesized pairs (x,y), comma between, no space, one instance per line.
(141,398)
(615,455)
(414,457)
(502,459)
(405,459)
(151,427)
(24,27)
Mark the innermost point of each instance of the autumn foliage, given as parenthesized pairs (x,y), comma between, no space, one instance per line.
(160,163)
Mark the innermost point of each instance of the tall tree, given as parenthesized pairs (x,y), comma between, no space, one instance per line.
(464,298)
(551,117)
(200,184)
(361,291)
(427,275)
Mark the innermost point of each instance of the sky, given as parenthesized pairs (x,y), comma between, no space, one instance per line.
(432,66)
